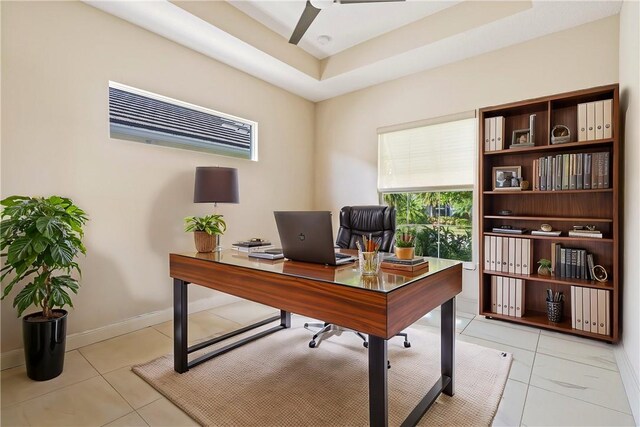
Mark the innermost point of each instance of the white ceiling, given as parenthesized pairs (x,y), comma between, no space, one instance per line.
(174,23)
(346,24)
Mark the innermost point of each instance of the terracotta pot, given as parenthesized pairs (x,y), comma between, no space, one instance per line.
(404,253)
(204,242)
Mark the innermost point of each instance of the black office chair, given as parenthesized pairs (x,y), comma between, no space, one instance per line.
(379,222)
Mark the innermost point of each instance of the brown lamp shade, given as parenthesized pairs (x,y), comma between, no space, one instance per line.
(216,185)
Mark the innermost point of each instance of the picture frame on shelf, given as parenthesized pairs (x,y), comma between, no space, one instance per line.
(507,178)
(520,136)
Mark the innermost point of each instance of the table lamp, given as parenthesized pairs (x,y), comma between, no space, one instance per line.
(216,185)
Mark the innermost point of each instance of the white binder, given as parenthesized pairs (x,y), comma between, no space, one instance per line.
(505,254)
(582,122)
(607,313)
(512,297)
(505,296)
(487,253)
(494,296)
(578,304)
(498,253)
(512,255)
(573,306)
(526,257)
(591,120)
(492,255)
(492,134)
(518,256)
(487,135)
(594,310)
(586,310)
(608,123)
(602,319)
(599,106)
(499,294)
(519,297)
(499,133)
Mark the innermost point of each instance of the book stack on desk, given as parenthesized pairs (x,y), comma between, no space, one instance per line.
(252,245)
(405,265)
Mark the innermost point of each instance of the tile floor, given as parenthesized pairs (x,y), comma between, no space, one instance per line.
(555,379)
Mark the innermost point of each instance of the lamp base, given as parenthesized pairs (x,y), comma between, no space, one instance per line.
(218,247)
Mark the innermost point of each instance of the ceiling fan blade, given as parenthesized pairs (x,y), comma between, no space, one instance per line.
(308,15)
(365,1)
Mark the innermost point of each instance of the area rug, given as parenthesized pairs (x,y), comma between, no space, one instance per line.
(279,381)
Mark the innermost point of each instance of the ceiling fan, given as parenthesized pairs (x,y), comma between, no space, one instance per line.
(311,10)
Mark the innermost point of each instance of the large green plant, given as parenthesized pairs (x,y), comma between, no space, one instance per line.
(38,238)
(210,224)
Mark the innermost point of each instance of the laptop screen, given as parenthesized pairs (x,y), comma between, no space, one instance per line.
(306,236)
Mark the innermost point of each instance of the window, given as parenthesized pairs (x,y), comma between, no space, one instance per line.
(143,116)
(442,221)
(427,173)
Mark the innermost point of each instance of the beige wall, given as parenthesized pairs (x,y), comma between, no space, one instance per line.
(630,106)
(346,140)
(57,59)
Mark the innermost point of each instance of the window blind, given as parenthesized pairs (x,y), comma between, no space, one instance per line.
(143,116)
(435,157)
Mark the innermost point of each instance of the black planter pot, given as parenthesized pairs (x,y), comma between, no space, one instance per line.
(44,345)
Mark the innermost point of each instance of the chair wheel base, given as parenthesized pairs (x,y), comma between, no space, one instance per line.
(365,344)
(407,344)
(312,344)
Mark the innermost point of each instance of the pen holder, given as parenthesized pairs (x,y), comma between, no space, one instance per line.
(554,311)
(369,262)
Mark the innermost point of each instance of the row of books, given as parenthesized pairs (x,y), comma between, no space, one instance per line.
(591,310)
(595,120)
(507,254)
(579,171)
(252,245)
(571,263)
(507,296)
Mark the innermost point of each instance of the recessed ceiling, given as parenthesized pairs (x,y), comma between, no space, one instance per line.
(346,24)
(455,32)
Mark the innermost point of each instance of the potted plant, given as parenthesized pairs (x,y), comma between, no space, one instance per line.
(206,231)
(405,243)
(40,238)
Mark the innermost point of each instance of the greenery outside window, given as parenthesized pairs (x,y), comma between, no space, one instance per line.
(442,220)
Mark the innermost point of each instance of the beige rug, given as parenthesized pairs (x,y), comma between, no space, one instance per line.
(279,381)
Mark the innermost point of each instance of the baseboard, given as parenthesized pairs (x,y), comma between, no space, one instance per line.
(15,357)
(630,381)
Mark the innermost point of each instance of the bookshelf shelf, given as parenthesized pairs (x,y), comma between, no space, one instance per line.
(559,192)
(551,148)
(562,209)
(547,218)
(539,320)
(552,238)
(554,280)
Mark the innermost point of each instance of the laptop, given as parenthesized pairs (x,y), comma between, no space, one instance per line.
(308,236)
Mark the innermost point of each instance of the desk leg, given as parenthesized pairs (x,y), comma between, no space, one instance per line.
(285,319)
(180,352)
(448,343)
(378,402)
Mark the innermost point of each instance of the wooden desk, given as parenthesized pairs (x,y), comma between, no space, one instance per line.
(338,295)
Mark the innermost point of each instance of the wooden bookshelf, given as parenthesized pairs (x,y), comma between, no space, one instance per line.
(562,209)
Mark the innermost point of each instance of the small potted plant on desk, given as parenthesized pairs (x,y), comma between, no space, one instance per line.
(206,231)
(405,243)
(40,237)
